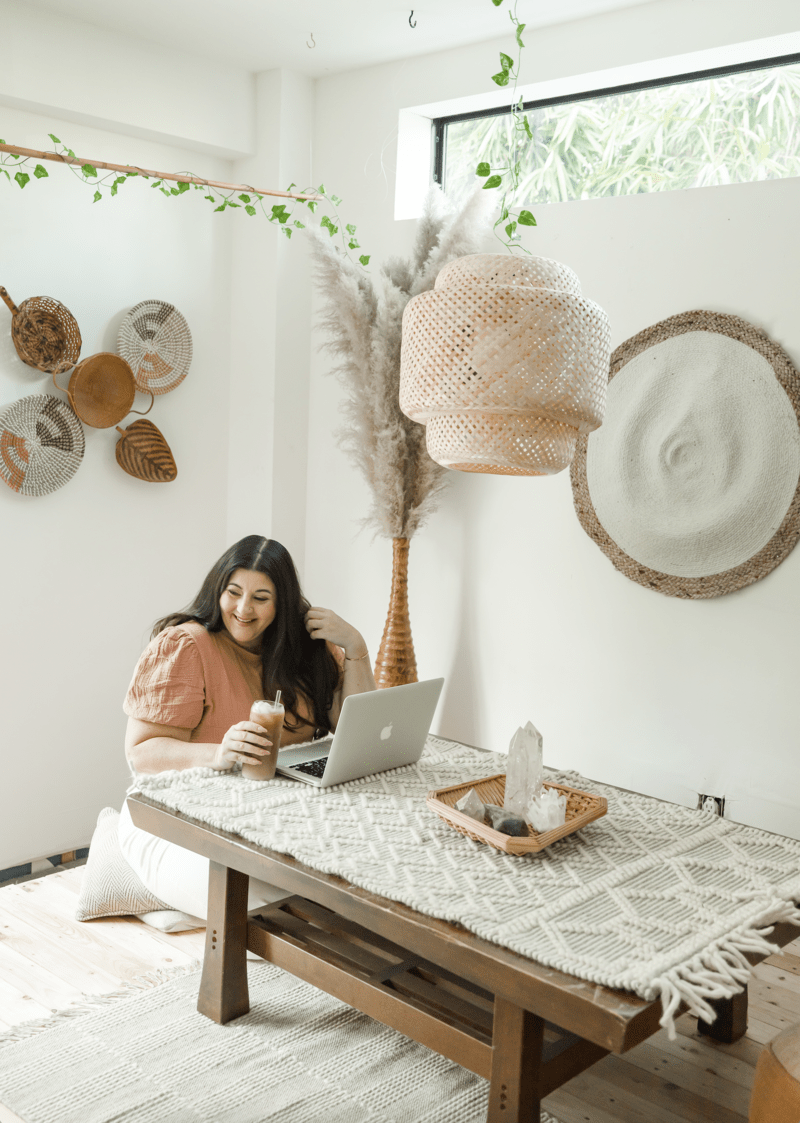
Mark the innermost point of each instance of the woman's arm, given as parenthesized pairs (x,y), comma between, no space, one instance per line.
(159,748)
(357,676)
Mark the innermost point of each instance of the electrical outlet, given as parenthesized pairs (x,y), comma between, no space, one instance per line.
(713,803)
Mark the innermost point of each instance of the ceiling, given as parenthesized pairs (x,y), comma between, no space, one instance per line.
(317,37)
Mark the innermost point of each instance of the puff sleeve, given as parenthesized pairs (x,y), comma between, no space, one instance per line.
(168,685)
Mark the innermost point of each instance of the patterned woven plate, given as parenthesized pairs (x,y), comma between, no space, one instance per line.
(41,444)
(582,808)
(155,340)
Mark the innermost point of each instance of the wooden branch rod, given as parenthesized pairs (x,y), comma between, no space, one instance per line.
(147,174)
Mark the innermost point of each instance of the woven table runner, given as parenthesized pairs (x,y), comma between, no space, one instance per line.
(653,898)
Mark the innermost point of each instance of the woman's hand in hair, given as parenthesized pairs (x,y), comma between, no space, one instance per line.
(324,624)
(244,743)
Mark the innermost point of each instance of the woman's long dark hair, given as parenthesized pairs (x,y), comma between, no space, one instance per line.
(291,661)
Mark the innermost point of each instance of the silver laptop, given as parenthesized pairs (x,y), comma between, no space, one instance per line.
(377,730)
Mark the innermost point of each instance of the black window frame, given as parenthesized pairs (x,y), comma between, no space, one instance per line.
(439,124)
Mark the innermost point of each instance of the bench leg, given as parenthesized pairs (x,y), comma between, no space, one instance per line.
(517,1039)
(223,985)
(731,1021)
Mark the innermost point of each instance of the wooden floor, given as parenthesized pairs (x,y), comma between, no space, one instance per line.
(48,960)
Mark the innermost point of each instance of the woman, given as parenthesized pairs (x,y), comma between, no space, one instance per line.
(248,633)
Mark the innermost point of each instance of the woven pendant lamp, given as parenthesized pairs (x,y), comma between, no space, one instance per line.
(505,363)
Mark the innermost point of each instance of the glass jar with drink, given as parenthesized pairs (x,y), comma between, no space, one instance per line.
(269,715)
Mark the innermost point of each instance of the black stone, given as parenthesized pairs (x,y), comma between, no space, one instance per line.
(505,821)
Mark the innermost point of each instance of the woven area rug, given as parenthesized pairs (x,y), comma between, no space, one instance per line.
(147,1056)
(653,898)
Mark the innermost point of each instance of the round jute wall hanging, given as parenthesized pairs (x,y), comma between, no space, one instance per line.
(155,339)
(41,444)
(692,485)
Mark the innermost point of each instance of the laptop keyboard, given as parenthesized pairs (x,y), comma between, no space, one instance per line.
(313,767)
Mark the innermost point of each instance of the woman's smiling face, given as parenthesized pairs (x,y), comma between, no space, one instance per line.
(248,605)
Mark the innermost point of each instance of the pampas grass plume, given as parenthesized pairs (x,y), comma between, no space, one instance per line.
(362,321)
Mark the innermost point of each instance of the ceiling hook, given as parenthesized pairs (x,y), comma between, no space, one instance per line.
(410,24)
(312,43)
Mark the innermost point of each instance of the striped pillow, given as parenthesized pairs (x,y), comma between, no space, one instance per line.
(111,888)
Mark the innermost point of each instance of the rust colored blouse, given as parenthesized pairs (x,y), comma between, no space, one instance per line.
(205,682)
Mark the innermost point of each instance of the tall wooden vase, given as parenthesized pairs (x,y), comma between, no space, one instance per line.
(396,664)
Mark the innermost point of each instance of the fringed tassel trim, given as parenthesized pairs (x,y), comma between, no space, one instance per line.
(93,1002)
(720,971)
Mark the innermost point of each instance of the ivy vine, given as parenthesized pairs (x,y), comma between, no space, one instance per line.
(508,176)
(282,214)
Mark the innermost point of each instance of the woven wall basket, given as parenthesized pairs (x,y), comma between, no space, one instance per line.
(155,339)
(45,333)
(41,444)
(101,390)
(692,486)
(505,363)
(142,452)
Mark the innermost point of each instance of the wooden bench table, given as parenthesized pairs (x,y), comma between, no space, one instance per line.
(525,1027)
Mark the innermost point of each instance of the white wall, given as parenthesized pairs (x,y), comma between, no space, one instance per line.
(271,325)
(86,570)
(510,600)
(71,71)
(106,555)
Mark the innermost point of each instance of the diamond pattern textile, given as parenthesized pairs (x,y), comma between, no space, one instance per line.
(653,898)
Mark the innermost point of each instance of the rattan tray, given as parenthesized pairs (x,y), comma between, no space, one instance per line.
(582,808)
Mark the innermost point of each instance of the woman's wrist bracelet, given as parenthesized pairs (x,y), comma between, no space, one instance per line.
(357,660)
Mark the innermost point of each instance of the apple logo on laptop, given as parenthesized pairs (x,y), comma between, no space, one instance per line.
(386,732)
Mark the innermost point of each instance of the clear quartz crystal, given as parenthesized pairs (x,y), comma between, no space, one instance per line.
(471,805)
(524,770)
(547,811)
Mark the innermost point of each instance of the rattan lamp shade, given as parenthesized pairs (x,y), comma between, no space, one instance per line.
(505,363)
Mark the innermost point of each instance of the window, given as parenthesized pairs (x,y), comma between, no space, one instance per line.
(724,126)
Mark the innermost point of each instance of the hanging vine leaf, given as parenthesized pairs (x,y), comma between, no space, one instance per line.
(221,195)
(522,136)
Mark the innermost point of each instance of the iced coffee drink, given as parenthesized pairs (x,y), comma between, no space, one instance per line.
(270,716)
